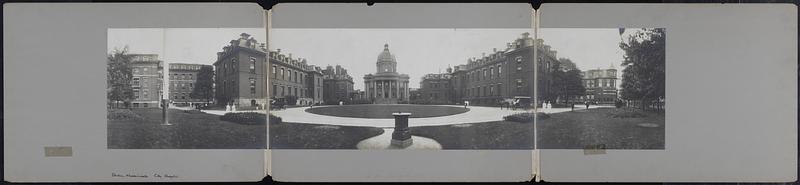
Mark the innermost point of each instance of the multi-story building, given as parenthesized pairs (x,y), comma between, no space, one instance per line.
(338,85)
(386,86)
(545,66)
(294,80)
(146,81)
(497,76)
(436,89)
(240,73)
(182,79)
(601,85)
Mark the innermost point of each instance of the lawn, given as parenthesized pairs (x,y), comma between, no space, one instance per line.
(496,135)
(385,111)
(316,136)
(577,129)
(189,130)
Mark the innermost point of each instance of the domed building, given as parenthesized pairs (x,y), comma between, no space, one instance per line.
(386,86)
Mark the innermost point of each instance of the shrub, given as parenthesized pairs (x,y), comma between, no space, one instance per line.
(619,104)
(627,113)
(525,117)
(248,118)
(122,114)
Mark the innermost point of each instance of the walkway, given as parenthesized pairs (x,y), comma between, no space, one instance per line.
(474,115)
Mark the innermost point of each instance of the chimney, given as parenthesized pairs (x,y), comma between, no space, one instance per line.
(494,50)
(525,35)
(278,51)
(244,36)
(483,54)
(290,55)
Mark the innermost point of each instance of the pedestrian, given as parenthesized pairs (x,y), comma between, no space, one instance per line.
(587,105)
(572,105)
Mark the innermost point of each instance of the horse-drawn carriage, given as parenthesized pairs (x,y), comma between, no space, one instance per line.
(277,103)
(517,102)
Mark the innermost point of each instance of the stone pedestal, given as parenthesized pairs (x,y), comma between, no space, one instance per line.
(401,136)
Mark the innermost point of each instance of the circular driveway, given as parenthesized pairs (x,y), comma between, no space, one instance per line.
(476,114)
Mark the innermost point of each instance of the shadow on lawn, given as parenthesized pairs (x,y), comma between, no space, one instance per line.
(496,135)
(316,136)
(189,130)
(616,128)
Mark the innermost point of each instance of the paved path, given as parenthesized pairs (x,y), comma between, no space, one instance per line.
(474,115)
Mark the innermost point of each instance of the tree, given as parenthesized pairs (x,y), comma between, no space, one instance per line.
(567,81)
(119,77)
(204,87)
(566,64)
(644,75)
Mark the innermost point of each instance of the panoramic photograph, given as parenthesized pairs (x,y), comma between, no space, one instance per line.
(186,88)
(426,89)
(601,88)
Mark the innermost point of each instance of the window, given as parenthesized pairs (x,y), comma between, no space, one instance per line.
(274,72)
(295,77)
(252,86)
(289,73)
(135,81)
(281,73)
(190,84)
(499,69)
(252,65)
(145,69)
(135,70)
(491,72)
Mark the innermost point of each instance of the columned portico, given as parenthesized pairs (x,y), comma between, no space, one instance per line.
(386,86)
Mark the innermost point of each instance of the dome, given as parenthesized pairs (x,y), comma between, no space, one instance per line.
(386,55)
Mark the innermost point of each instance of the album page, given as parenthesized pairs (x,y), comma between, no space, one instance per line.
(125,92)
(667,92)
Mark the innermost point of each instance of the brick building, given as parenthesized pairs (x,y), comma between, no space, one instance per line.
(240,73)
(182,79)
(436,89)
(338,85)
(491,78)
(601,85)
(146,81)
(292,78)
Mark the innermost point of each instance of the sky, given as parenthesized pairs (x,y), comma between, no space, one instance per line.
(179,45)
(418,51)
(587,48)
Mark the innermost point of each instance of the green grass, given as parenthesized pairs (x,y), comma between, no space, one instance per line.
(189,130)
(496,135)
(385,111)
(316,136)
(577,129)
